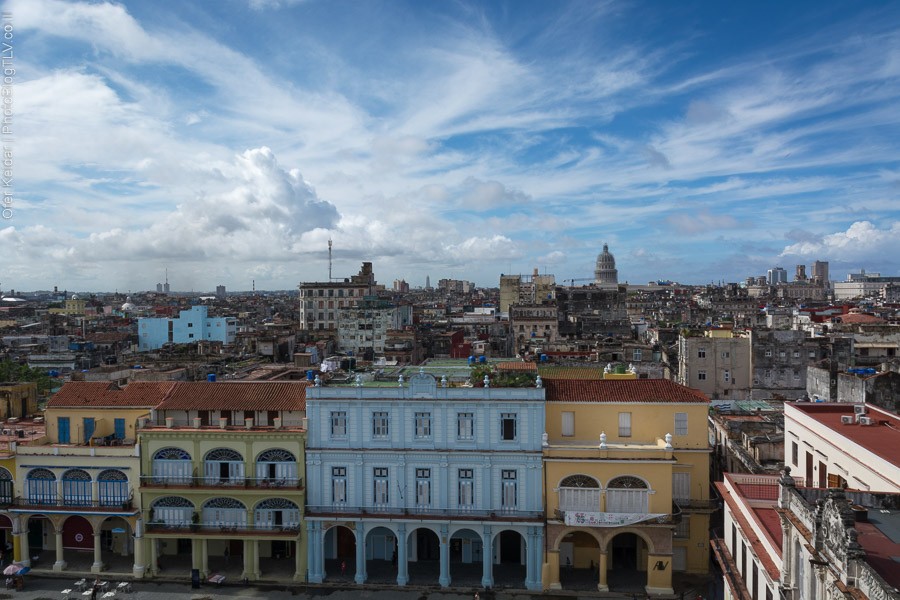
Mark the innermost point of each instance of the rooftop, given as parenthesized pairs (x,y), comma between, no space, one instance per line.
(622,390)
(882,438)
(103,394)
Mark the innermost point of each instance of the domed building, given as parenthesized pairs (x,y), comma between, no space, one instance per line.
(605,273)
(128,306)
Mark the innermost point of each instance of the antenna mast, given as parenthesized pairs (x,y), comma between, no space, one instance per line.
(329,260)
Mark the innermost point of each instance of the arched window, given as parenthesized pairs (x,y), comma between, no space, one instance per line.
(172,465)
(41,487)
(6,486)
(113,486)
(173,511)
(76,488)
(225,513)
(579,493)
(277,513)
(628,494)
(223,466)
(276,467)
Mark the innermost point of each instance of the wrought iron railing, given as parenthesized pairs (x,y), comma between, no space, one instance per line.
(182,481)
(114,505)
(424,512)
(291,529)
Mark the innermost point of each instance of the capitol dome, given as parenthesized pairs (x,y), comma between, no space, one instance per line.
(606,273)
(128,306)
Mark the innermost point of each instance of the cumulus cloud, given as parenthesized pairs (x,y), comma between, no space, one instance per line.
(862,241)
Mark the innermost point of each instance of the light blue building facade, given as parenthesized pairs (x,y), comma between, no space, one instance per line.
(190,326)
(422,483)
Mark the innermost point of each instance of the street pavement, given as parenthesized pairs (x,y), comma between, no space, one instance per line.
(47,588)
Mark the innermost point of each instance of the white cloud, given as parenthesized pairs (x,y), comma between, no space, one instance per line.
(701,221)
(862,242)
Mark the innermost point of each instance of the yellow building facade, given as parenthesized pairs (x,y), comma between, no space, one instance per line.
(626,467)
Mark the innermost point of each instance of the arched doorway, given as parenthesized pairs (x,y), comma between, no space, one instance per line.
(509,552)
(40,488)
(579,561)
(113,489)
(223,466)
(424,557)
(77,488)
(339,553)
(627,563)
(171,513)
(117,545)
(466,558)
(381,556)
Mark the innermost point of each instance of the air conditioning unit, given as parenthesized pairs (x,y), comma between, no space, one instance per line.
(866,421)
(846,419)
(859,409)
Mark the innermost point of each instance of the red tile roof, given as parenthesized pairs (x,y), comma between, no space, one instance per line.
(879,439)
(555,372)
(759,548)
(528,367)
(237,395)
(622,390)
(103,394)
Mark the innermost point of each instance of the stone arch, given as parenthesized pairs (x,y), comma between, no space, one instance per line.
(651,547)
(78,533)
(171,453)
(113,488)
(223,455)
(578,492)
(224,512)
(77,485)
(174,511)
(592,531)
(579,480)
(223,466)
(629,482)
(40,486)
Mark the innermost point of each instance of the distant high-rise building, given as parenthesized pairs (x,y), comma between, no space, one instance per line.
(820,272)
(776,276)
(800,273)
(606,273)
(401,286)
(220,291)
(159,288)
(428,282)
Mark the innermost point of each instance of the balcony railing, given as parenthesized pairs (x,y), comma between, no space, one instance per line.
(74,504)
(290,530)
(346,510)
(607,519)
(184,481)
(694,504)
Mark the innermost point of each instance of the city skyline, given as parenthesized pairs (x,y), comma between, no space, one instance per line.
(230,141)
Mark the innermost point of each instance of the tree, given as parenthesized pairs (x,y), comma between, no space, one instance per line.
(12,371)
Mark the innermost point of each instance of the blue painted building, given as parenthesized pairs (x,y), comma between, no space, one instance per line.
(422,483)
(190,326)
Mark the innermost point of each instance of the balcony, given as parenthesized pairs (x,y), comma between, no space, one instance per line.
(421,512)
(221,530)
(149,482)
(76,505)
(579,518)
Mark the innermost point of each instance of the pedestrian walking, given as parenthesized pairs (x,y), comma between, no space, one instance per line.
(343,568)
(95,588)
(477,597)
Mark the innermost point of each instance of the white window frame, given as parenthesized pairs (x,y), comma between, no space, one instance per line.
(701,375)
(681,485)
(568,424)
(509,489)
(381,488)
(624,424)
(465,426)
(681,423)
(423,425)
(339,485)
(381,425)
(505,419)
(339,424)
(423,489)
(466,489)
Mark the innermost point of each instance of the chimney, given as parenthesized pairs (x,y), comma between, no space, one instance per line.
(170,422)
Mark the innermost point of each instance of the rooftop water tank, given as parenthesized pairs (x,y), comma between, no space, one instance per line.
(211,377)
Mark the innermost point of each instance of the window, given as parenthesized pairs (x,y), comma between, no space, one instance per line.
(681,423)
(465,426)
(681,486)
(768,354)
(423,488)
(812,353)
(624,424)
(508,427)
(568,424)
(119,428)
(380,425)
(339,424)
(701,375)
(726,354)
(636,355)
(508,490)
(380,487)
(701,352)
(339,485)
(466,498)
(726,375)
(423,425)
(63,429)
(796,375)
(781,354)
(796,354)
(683,528)
(88,424)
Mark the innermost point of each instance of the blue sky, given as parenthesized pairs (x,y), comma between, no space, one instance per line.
(228,141)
